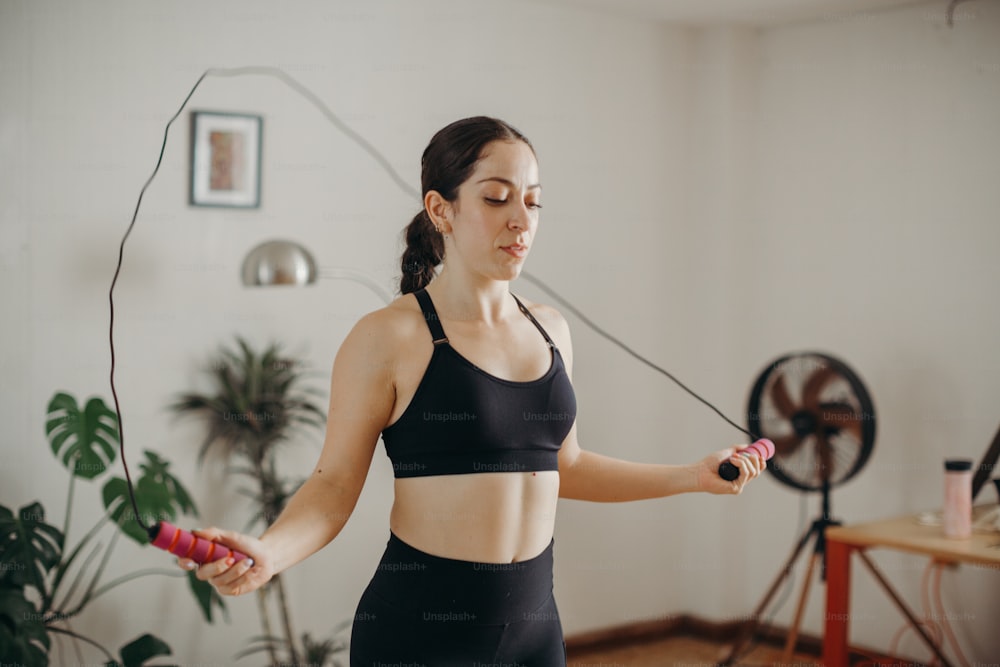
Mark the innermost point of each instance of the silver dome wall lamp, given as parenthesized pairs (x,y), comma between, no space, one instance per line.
(278,262)
(287,263)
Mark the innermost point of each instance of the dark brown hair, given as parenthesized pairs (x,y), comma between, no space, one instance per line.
(447,162)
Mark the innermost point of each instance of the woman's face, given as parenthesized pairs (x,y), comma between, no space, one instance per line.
(494,218)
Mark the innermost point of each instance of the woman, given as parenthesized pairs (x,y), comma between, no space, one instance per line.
(469,387)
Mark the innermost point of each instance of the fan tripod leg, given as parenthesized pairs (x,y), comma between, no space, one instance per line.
(793,633)
(748,633)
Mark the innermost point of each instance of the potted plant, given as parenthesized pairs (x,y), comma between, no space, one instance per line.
(258,402)
(43,583)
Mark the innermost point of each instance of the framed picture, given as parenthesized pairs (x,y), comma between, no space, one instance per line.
(225,159)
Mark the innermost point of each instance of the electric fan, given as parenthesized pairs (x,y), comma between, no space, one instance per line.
(820,417)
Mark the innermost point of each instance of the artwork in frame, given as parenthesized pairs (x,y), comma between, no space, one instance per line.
(225,159)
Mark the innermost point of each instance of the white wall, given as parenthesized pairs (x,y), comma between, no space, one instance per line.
(874,236)
(715,197)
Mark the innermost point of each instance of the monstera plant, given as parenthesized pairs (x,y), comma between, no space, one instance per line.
(45,582)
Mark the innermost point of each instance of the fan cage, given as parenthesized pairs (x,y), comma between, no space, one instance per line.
(842,420)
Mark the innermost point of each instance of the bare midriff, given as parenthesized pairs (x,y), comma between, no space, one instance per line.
(486,517)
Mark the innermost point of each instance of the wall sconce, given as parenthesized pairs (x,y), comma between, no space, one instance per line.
(278,262)
(282,262)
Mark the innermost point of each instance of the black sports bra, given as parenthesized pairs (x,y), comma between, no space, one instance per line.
(464,420)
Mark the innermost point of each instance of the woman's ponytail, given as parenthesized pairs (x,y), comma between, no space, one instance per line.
(424,251)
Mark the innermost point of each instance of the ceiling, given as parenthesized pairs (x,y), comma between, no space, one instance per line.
(752,12)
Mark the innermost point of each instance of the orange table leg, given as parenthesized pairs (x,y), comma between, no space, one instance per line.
(838,604)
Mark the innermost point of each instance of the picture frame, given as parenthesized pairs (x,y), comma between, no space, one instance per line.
(225,159)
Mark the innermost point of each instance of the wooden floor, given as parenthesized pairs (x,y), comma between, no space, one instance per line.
(684,652)
(689,641)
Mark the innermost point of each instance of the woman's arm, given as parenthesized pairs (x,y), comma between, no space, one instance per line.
(586,475)
(361,399)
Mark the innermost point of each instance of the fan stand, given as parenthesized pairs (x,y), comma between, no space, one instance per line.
(817,530)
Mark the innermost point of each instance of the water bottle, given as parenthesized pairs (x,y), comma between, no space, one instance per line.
(957,498)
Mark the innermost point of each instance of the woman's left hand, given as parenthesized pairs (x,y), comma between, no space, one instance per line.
(749,463)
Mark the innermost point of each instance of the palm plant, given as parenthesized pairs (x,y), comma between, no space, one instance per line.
(257,405)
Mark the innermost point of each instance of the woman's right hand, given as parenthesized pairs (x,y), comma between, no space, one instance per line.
(231,578)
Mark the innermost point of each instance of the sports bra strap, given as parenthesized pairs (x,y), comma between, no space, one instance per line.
(533,320)
(431,316)
(437,331)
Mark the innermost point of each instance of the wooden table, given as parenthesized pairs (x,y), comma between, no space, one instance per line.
(901,534)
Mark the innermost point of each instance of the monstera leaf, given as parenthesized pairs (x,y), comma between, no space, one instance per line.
(23,638)
(82,439)
(138,651)
(29,547)
(207,597)
(159,495)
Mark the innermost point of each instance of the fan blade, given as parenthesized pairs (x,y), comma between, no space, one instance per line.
(786,446)
(800,465)
(782,401)
(841,417)
(825,458)
(847,455)
(815,384)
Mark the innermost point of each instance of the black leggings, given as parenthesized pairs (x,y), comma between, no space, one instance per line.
(426,611)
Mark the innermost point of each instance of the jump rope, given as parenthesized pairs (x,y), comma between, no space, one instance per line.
(184,543)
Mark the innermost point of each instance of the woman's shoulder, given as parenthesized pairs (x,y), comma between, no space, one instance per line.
(551,320)
(398,321)
(380,339)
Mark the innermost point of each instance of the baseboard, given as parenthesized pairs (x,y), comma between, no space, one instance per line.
(684,625)
(679,626)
